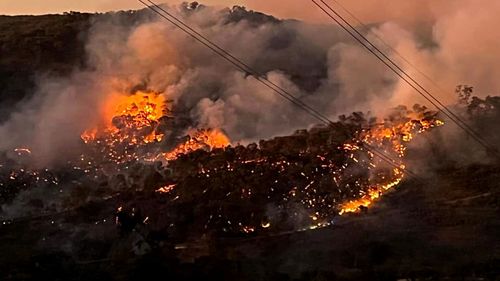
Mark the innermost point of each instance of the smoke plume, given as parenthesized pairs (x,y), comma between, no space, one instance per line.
(318,63)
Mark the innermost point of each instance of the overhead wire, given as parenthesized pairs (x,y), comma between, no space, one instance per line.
(237,62)
(411,65)
(261,78)
(387,45)
(365,42)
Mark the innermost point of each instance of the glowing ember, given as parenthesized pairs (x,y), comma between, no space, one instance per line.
(89,135)
(367,200)
(21,151)
(392,136)
(166,189)
(200,139)
(247,229)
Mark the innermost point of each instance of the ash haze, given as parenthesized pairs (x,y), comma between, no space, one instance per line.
(368,10)
(454,42)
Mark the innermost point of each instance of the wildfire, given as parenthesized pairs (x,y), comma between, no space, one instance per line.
(134,122)
(309,178)
(392,135)
(199,139)
(130,118)
(131,124)
(368,199)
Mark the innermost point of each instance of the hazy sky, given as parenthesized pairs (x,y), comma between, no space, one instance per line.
(368,10)
(279,8)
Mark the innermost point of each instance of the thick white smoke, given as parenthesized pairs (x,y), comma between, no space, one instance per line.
(316,62)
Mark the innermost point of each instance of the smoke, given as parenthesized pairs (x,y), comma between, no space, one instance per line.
(52,120)
(318,63)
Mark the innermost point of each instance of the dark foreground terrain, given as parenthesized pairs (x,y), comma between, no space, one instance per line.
(444,229)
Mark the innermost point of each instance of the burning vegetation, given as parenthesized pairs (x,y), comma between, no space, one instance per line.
(169,193)
(134,183)
(289,183)
(131,119)
(201,183)
(134,122)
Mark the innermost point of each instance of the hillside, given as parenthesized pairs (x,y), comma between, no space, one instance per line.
(32,46)
(269,210)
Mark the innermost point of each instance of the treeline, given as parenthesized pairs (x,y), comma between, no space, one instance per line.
(31,45)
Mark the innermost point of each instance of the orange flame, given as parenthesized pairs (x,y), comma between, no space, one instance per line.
(134,120)
(396,135)
(200,139)
(130,118)
(166,189)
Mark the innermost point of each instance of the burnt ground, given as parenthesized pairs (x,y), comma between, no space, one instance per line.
(445,228)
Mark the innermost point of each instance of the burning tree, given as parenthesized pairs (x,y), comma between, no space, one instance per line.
(202,184)
(288,183)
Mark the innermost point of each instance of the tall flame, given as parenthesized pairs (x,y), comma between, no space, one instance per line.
(133,118)
(199,139)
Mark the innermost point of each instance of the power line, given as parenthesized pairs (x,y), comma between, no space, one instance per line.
(261,78)
(458,119)
(381,40)
(393,49)
(400,72)
(238,63)
(403,74)
(387,45)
